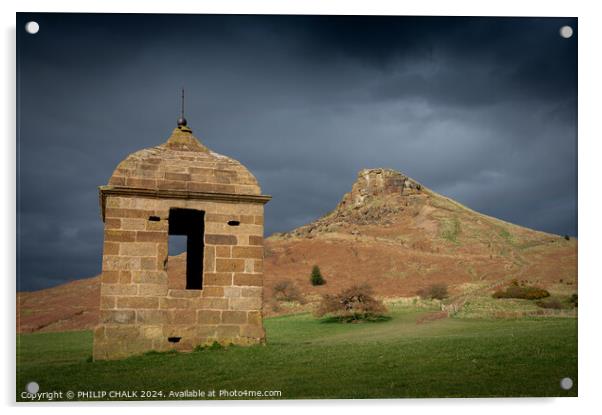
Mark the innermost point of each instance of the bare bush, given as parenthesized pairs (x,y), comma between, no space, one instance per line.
(526,292)
(352,304)
(436,291)
(552,303)
(288,291)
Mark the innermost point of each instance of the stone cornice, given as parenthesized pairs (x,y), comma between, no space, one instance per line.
(105,191)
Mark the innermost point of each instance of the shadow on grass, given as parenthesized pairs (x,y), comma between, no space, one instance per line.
(352,320)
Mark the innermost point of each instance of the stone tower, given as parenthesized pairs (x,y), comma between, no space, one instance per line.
(180,188)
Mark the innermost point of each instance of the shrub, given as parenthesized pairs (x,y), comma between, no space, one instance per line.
(288,291)
(352,304)
(573,300)
(568,238)
(553,303)
(434,292)
(316,276)
(525,292)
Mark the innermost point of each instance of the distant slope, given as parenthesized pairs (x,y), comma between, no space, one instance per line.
(71,306)
(390,232)
(399,236)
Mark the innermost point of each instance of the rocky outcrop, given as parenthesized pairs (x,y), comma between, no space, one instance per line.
(377,196)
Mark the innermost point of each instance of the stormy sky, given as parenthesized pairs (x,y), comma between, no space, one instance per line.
(483,110)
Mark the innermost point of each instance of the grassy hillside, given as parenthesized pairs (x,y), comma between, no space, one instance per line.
(310,358)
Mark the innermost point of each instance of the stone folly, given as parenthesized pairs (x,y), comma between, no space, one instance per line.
(180,188)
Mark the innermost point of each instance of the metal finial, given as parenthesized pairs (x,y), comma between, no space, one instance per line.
(182,121)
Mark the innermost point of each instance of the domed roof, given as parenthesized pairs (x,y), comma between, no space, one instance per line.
(184,164)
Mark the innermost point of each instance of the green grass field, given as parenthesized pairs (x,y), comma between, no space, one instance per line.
(309,358)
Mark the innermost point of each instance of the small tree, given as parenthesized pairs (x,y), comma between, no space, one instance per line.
(316,276)
(353,304)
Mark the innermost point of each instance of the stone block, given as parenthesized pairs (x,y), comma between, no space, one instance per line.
(255,252)
(185,293)
(245,303)
(117,181)
(208,316)
(133,224)
(137,302)
(218,278)
(112,235)
(118,316)
(209,259)
(229,265)
(112,223)
(252,331)
(152,332)
(234,317)
(151,236)
(99,333)
(158,226)
(111,248)
(220,218)
(117,202)
(179,316)
(251,292)
(150,263)
(172,185)
(118,289)
(125,277)
(146,249)
(247,219)
(232,292)
(213,291)
(107,302)
(254,318)
(228,332)
(223,251)
(248,279)
(177,176)
(152,289)
(149,277)
(119,263)
(141,183)
(220,239)
(151,316)
(206,331)
(128,213)
(170,303)
(255,240)
(212,303)
(110,277)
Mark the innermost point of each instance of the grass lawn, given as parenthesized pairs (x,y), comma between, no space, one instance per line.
(310,358)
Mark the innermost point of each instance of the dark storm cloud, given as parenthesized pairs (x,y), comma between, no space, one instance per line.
(482,110)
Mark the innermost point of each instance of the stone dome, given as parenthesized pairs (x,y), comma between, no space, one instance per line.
(183,164)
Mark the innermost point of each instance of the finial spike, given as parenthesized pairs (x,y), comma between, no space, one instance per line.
(182,121)
(182,102)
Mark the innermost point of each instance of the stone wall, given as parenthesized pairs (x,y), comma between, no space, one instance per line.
(141,309)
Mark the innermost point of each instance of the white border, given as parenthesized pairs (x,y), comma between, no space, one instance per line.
(590,202)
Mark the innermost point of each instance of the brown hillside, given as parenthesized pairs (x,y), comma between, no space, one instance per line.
(399,236)
(389,231)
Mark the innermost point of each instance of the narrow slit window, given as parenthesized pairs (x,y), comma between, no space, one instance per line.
(187,226)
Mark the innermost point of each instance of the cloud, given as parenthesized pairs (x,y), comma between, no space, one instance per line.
(482,110)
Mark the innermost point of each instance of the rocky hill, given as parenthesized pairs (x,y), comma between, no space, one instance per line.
(399,236)
(389,231)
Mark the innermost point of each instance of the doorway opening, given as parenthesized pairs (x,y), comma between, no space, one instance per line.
(189,223)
